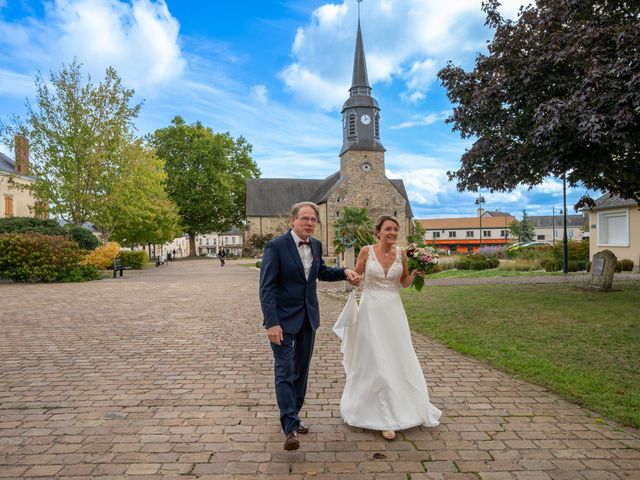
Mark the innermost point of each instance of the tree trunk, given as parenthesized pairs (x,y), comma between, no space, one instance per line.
(192,245)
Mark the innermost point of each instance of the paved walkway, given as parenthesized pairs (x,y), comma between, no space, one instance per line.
(167,373)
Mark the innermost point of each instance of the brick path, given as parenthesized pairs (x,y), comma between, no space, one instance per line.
(167,373)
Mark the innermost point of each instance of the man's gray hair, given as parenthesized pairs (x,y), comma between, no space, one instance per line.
(296,208)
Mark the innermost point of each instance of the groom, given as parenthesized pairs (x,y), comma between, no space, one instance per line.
(291,264)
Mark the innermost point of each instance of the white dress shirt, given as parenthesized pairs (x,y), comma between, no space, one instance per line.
(305,254)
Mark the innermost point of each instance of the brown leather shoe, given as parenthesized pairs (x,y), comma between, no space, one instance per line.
(303,428)
(291,441)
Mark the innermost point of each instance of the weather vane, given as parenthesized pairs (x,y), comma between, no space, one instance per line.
(359,2)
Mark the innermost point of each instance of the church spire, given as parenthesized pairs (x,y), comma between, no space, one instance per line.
(360,113)
(360,80)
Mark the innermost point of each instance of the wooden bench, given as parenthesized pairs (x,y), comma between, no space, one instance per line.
(118,267)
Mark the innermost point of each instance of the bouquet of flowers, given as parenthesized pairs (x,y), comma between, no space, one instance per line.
(421,258)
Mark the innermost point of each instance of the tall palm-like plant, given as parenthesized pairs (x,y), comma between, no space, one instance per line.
(353,229)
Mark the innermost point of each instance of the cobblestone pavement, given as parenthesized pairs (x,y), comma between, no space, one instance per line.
(166,373)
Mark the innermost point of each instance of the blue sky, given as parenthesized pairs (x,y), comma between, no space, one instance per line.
(276,72)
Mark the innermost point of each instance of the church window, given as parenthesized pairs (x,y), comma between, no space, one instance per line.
(337,213)
(376,126)
(352,125)
(366,202)
(395,213)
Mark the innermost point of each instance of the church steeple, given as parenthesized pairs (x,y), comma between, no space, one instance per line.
(360,113)
(360,80)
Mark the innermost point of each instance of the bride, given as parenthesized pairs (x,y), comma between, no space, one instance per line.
(385,388)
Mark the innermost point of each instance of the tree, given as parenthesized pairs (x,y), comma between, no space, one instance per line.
(522,231)
(354,228)
(417,236)
(558,93)
(77,133)
(138,210)
(206,174)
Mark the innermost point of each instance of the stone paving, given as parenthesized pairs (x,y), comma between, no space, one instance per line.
(167,373)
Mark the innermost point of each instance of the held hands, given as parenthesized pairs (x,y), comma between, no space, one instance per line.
(352,277)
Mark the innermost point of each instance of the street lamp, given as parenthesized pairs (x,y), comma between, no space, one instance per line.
(480,201)
(565,246)
(553,224)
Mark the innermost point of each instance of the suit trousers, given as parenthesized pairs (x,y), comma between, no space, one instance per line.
(292,359)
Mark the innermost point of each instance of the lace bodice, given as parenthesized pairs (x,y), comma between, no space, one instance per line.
(374,277)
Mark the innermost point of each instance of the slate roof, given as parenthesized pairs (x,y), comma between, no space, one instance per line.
(269,197)
(547,221)
(613,201)
(6,164)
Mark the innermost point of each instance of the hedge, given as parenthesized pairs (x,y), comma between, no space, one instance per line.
(36,257)
(136,259)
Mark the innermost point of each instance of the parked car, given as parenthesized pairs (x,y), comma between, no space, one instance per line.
(212,255)
(515,246)
(535,244)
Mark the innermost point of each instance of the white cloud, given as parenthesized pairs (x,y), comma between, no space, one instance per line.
(408,40)
(14,83)
(259,92)
(421,120)
(425,185)
(138,38)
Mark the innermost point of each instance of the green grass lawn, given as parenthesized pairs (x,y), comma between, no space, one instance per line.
(492,272)
(583,345)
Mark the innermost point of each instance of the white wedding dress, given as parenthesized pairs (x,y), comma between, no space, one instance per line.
(385,387)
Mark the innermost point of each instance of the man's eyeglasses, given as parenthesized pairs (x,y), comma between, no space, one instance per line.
(309,219)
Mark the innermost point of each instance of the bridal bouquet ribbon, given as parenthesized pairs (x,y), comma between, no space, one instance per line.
(423,259)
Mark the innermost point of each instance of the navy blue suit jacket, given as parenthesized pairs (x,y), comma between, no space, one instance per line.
(286,295)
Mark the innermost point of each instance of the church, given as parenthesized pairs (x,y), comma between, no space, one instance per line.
(360,182)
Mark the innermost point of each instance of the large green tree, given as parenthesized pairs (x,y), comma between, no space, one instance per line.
(137,210)
(77,132)
(558,93)
(206,174)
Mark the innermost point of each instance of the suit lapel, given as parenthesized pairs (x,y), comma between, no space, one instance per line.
(293,250)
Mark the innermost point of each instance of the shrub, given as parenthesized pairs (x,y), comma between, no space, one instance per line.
(626,264)
(576,265)
(493,262)
(618,266)
(576,250)
(36,257)
(136,259)
(28,224)
(86,239)
(102,257)
(476,262)
(588,266)
(80,273)
(551,265)
(258,264)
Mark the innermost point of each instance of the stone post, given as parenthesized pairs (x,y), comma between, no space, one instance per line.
(603,266)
